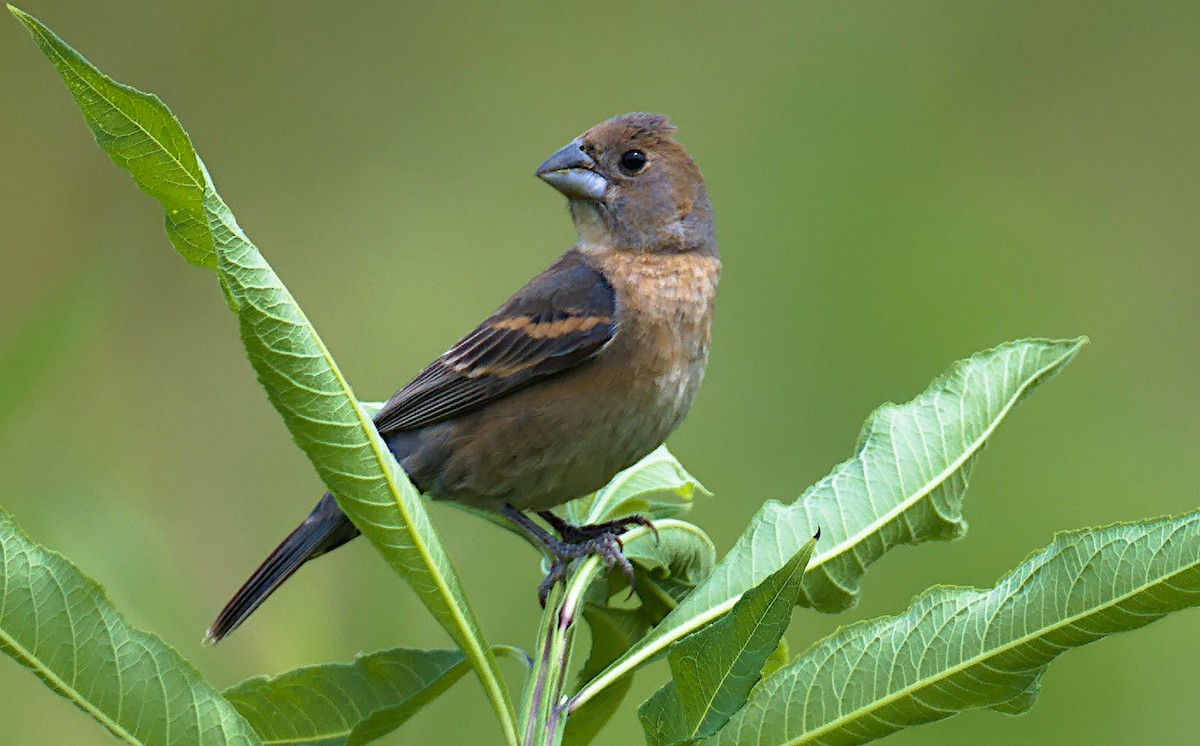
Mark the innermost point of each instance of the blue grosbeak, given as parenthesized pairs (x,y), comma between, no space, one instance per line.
(578,375)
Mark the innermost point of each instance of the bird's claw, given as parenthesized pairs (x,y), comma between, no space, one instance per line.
(600,539)
(557,569)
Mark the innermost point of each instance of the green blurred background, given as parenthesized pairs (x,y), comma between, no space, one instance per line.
(897,185)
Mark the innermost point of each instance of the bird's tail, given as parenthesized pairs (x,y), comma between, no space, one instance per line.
(326,528)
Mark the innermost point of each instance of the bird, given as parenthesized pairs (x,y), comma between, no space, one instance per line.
(581,373)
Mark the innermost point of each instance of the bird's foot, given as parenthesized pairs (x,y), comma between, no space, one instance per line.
(606,546)
(599,539)
(579,534)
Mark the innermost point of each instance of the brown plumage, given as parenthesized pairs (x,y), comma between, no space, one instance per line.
(583,371)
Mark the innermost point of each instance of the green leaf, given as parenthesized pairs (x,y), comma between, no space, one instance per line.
(60,624)
(904,485)
(663,593)
(141,136)
(344,704)
(613,631)
(656,487)
(714,669)
(957,649)
(681,551)
(777,659)
(907,481)
(293,364)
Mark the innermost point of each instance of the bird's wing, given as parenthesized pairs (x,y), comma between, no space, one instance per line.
(557,321)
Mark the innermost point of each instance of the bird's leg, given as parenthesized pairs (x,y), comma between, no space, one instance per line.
(600,539)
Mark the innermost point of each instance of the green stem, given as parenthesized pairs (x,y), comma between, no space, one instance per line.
(561,637)
(535,685)
(544,708)
(543,713)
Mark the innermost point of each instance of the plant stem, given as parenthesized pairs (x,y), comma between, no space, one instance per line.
(544,708)
(535,684)
(560,646)
(543,717)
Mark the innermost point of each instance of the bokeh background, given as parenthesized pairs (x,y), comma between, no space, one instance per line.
(897,185)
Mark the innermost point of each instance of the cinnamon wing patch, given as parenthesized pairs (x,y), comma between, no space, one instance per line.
(556,322)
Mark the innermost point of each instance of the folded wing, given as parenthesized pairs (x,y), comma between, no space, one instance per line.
(558,321)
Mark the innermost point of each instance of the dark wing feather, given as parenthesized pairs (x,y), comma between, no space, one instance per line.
(557,321)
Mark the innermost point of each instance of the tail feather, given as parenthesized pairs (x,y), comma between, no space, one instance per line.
(325,529)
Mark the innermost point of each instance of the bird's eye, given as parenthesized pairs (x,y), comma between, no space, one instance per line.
(633,161)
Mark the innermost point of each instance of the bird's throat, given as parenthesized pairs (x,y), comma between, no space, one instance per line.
(591,223)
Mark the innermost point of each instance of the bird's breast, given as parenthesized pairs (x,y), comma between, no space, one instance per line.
(664,311)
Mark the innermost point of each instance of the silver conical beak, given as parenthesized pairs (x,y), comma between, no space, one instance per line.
(572,172)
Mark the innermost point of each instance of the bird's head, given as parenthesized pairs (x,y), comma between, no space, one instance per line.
(631,187)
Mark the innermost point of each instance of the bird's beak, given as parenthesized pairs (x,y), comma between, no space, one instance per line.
(573,172)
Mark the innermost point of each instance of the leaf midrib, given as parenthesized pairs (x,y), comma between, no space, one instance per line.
(309,739)
(72,693)
(758,623)
(931,484)
(983,657)
(38,29)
